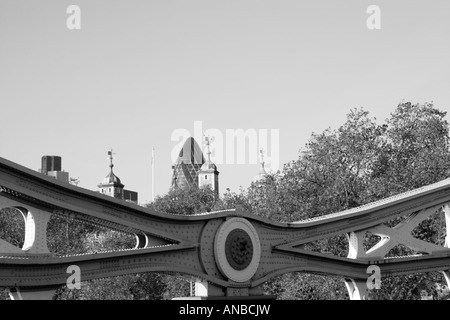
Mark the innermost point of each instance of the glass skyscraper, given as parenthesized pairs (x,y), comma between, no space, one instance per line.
(188,164)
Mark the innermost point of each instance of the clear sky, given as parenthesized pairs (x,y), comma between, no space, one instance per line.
(137,71)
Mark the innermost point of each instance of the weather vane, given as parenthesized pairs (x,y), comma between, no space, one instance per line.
(208,141)
(110,157)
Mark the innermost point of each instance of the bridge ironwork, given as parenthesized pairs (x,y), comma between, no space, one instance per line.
(231,252)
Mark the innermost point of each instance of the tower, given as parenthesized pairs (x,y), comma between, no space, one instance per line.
(208,174)
(262,174)
(111,184)
(113,187)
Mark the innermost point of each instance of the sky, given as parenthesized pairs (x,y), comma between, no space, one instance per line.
(139,73)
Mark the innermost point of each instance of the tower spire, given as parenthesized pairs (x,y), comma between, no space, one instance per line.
(208,141)
(113,187)
(261,151)
(110,158)
(262,171)
(208,174)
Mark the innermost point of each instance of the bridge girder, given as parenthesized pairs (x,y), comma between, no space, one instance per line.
(233,251)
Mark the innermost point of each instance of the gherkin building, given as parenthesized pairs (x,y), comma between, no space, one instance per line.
(188,164)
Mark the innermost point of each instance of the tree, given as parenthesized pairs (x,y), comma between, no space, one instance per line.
(185,201)
(416,153)
(357,163)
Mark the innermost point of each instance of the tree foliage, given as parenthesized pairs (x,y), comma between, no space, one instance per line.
(185,201)
(358,163)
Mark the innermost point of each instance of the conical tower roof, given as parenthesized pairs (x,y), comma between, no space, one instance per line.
(189,161)
(111,179)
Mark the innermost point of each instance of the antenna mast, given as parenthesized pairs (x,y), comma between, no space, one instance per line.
(153,174)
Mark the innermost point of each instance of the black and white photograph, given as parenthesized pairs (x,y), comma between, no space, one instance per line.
(224,156)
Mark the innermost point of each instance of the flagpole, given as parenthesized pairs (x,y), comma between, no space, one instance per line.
(153,174)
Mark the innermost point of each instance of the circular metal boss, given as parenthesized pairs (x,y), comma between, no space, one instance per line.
(237,249)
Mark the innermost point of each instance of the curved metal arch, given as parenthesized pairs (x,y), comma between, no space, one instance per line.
(186,243)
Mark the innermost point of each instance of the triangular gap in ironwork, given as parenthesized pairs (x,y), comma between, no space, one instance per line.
(400,250)
(69,236)
(102,235)
(411,231)
(148,240)
(337,245)
(12,227)
(432,229)
(370,240)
